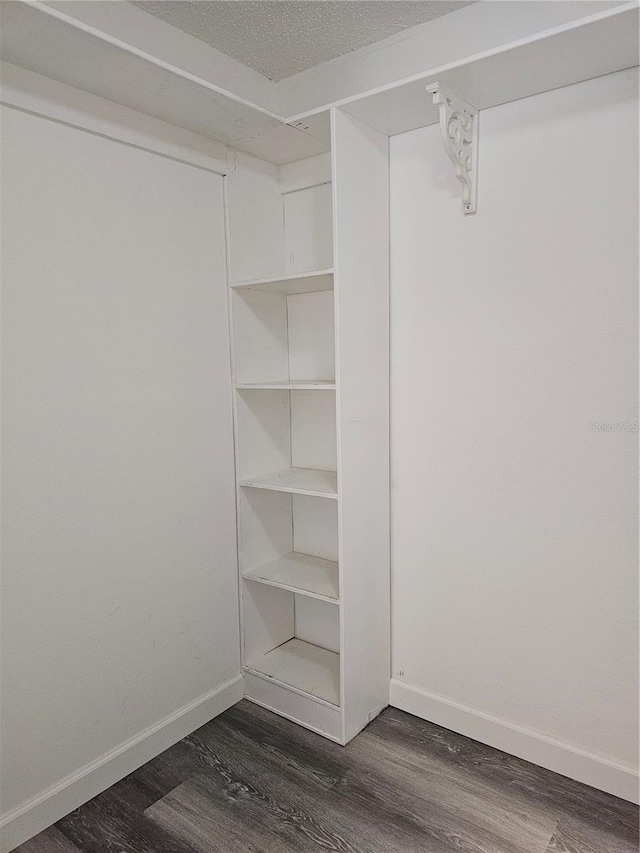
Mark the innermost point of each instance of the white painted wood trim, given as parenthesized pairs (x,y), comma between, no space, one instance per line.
(33,93)
(62,798)
(536,747)
(234,413)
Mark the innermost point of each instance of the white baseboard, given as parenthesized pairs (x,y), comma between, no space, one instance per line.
(594,770)
(62,798)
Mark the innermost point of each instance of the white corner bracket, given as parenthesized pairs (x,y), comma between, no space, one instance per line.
(459,130)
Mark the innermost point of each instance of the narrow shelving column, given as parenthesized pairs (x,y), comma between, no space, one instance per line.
(285,423)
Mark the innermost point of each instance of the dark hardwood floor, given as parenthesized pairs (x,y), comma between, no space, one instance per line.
(251,782)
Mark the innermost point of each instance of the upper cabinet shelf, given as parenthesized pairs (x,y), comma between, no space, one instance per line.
(305,282)
(507,53)
(581,50)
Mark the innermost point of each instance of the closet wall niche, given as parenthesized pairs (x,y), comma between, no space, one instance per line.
(311,426)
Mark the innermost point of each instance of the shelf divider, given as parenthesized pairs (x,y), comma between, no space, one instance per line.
(299,573)
(302,282)
(302,667)
(297,481)
(289,385)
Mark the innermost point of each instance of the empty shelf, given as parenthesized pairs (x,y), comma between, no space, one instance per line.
(304,282)
(297,481)
(299,573)
(290,385)
(305,668)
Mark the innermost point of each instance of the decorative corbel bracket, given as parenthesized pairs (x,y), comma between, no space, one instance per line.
(459,130)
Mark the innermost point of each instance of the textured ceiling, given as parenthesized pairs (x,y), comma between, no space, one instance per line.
(282,38)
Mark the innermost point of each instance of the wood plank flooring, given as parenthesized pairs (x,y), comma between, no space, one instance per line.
(251,782)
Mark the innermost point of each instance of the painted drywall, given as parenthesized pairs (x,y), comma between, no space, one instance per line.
(119,597)
(514,548)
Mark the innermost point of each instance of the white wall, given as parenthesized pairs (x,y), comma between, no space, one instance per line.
(120,613)
(514,550)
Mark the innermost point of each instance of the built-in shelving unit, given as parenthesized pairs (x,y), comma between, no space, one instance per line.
(311,424)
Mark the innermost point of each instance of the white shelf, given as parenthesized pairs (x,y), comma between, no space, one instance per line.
(589,48)
(304,668)
(290,385)
(299,573)
(303,282)
(297,481)
(544,57)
